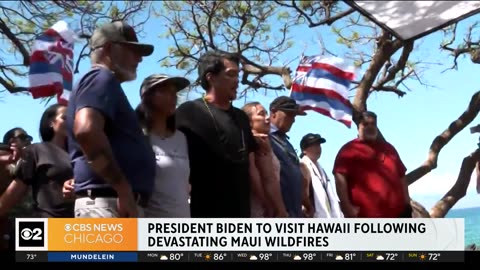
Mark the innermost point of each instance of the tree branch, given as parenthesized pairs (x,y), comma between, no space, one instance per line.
(441,140)
(80,57)
(325,8)
(388,88)
(472,48)
(238,27)
(6,31)
(459,189)
(399,66)
(385,49)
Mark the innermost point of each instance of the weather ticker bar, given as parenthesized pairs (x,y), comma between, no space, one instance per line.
(238,256)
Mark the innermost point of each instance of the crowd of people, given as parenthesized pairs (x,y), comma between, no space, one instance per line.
(100,157)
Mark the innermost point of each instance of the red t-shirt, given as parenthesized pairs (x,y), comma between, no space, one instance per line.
(373,172)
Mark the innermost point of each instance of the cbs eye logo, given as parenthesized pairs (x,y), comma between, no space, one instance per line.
(31,234)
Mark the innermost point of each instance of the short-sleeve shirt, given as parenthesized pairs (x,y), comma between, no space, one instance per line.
(100,89)
(170,198)
(374,172)
(291,177)
(219,142)
(45,167)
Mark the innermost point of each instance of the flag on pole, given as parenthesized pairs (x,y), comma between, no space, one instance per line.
(51,63)
(322,84)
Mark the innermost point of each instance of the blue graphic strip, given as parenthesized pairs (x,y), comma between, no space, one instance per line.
(92,257)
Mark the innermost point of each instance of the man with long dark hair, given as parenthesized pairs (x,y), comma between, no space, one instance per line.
(221,143)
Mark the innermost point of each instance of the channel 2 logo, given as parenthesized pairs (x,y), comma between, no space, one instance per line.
(31,234)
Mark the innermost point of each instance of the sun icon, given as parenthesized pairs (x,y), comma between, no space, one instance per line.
(423,257)
(208,257)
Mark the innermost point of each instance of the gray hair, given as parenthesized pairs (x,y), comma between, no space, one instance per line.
(97,55)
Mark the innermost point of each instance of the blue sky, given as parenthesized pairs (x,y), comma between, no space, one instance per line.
(409,123)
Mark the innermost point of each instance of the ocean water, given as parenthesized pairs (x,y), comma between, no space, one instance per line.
(472,223)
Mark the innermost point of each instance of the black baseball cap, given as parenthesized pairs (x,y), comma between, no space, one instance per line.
(311,139)
(119,32)
(286,104)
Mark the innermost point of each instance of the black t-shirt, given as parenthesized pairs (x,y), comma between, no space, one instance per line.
(45,167)
(219,142)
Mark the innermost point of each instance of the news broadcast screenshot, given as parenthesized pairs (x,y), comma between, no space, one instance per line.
(239,132)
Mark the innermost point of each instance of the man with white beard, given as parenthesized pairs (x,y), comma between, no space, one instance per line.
(113,164)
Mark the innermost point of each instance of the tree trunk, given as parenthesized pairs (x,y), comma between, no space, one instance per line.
(418,210)
(384,51)
(363,89)
(441,140)
(459,189)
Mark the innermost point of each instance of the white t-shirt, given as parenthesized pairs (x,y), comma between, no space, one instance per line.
(170,197)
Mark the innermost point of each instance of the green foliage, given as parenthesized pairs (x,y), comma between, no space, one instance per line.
(257,30)
(114,11)
(357,63)
(305,5)
(235,26)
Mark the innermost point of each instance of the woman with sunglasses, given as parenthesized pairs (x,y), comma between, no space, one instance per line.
(14,141)
(9,154)
(156,114)
(44,167)
(17,136)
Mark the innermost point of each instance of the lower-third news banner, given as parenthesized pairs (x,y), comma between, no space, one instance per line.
(239,240)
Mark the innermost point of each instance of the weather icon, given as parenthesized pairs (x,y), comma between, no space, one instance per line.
(208,257)
(380,258)
(163,258)
(253,258)
(297,258)
(339,258)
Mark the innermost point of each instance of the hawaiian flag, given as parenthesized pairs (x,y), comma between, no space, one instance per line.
(322,84)
(51,63)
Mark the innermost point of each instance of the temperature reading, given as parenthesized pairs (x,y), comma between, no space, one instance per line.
(31,256)
(349,256)
(308,256)
(433,256)
(219,256)
(265,256)
(175,256)
(391,256)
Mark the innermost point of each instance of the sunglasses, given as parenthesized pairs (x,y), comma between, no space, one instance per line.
(23,137)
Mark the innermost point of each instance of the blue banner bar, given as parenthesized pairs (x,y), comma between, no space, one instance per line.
(92,257)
